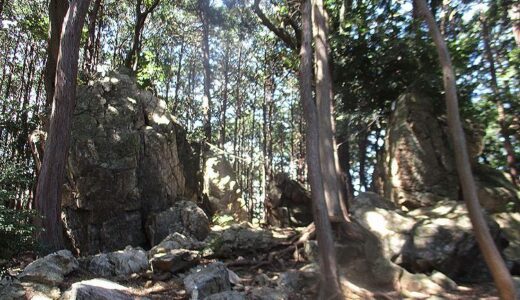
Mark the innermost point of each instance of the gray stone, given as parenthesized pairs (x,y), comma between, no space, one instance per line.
(229,295)
(267,293)
(242,239)
(99,289)
(128,159)
(183,217)
(50,269)
(224,194)
(207,280)
(119,263)
(175,260)
(176,241)
(444,281)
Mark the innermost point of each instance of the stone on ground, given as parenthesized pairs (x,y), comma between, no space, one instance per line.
(50,269)
(208,280)
(99,289)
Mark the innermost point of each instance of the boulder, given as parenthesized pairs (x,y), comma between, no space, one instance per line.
(16,290)
(242,239)
(50,269)
(267,293)
(99,289)
(176,241)
(119,263)
(510,226)
(417,167)
(208,280)
(229,295)
(221,186)
(128,159)
(288,203)
(183,217)
(426,239)
(175,260)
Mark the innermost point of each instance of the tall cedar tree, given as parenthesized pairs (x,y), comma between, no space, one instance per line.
(489,250)
(48,190)
(330,288)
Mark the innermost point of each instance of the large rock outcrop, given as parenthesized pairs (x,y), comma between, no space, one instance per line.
(417,168)
(288,203)
(222,188)
(128,161)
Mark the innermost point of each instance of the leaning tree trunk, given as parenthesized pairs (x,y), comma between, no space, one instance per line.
(48,190)
(505,285)
(330,287)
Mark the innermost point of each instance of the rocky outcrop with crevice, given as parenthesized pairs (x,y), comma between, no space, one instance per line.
(128,160)
(417,167)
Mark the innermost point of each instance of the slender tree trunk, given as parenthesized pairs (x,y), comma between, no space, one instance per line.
(514,13)
(224,99)
(324,105)
(48,190)
(206,101)
(132,57)
(502,122)
(330,287)
(57,11)
(178,75)
(503,281)
(362,148)
(89,50)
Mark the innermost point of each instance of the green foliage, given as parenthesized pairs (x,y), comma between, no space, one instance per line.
(16,228)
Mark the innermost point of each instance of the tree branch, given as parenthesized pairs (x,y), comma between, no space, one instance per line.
(279,32)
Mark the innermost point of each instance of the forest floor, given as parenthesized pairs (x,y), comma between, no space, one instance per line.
(172,287)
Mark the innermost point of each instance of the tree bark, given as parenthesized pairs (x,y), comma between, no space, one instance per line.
(224,100)
(89,51)
(324,106)
(502,122)
(206,101)
(57,11)
(48,190)
(514,13)
(131,60)
(501,276)
(330,287)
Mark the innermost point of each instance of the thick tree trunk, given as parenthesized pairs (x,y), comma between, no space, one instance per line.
(511,159)
(48,190)
(324,106)
(57,11)
(505,285)
(330,287)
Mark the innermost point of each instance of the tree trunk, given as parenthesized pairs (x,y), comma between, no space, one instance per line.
(131,60)
(514,13)
(178,76)
(324,106)
(57,11)
(330,287)
(511,160)
(224,100)
(89,51)
(206,102)
(362,148)
(48,190)
(503,281)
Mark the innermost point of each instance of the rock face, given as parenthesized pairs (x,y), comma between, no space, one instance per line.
(288,203)
(223,191)
(128,159)
(417,168)
(426,239)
